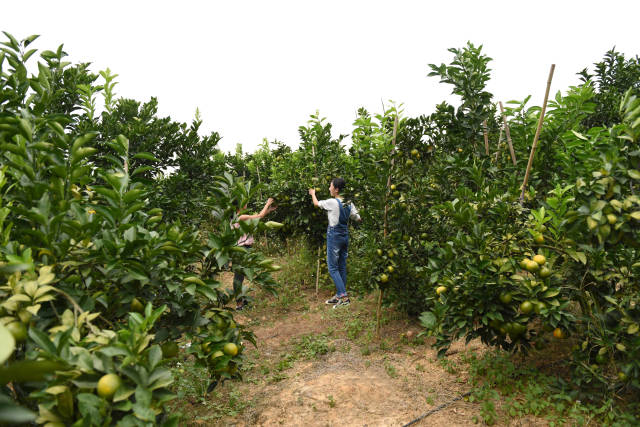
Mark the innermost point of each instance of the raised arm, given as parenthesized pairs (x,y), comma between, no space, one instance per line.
(312,191)
(265,210)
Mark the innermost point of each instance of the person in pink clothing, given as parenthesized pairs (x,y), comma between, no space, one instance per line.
(247,241)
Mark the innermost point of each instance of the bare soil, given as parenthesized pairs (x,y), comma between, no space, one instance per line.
(360,381)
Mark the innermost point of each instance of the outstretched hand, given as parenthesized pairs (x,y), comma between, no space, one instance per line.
(312,191)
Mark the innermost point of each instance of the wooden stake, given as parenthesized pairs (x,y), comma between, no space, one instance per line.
(266,240)
(384,230)
(315,166)
(508,133)
(318,271)
(486,137)
(535,138)
(499,144)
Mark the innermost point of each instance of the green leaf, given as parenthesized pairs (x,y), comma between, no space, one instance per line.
(428,319)
(146,156)
(12,414)
(633,173)
(7,343)
(155,356)
(43,341)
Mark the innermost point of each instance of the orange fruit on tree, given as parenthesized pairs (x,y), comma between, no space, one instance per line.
(532,266)
(526,307)
(545,272)
(137,306)
(108,384)
(505,297)
(441,289)
(540,259)
(230,349)
(558,333)
(18,330)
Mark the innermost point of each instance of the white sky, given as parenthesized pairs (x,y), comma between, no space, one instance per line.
(257,69)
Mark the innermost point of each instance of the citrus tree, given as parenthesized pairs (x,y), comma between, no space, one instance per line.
(96,286)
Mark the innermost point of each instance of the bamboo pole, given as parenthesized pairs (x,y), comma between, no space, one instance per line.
(508,133)
(266,240)
(317,271)
(315,182)
(384,230)
(486,137)
(499,144)
(539,128)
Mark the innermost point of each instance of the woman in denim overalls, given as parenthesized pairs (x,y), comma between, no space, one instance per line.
(337,238)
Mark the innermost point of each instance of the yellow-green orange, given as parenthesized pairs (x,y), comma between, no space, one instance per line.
(532,266)
(230,349)
(108,384)
(526,307)
(505,298)
(137,306)
(539,239)
(18,330)
(441,289)
(384,278)
(540,259)
(545,272)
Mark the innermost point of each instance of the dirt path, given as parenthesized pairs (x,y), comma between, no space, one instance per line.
(316,366)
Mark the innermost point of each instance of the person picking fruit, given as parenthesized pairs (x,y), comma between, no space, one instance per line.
(247,241)
(338,214)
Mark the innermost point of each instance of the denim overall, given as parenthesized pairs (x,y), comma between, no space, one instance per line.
(337,245)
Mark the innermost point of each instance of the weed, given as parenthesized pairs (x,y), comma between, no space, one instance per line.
(332,403)
(313,346)
(391,370)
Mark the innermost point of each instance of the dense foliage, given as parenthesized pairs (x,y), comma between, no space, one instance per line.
(115,225)
(97,286)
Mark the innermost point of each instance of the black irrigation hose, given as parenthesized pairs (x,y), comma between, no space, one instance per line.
(434,410)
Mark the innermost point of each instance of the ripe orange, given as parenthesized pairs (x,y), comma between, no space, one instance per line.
(441,289)
(108,384)
(558,333)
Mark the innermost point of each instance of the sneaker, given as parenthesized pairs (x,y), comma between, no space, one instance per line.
(333,300)
(342,302)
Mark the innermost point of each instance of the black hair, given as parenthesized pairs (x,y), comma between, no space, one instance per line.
(338,183)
